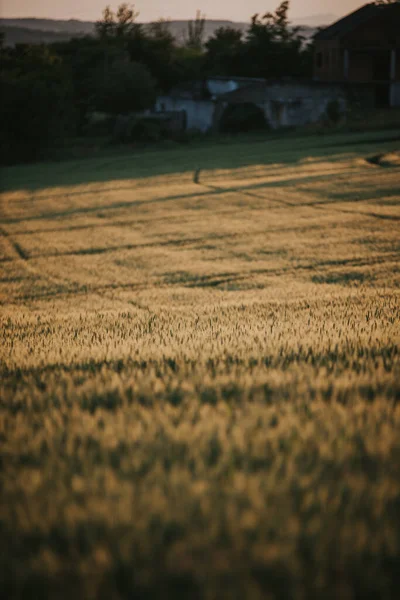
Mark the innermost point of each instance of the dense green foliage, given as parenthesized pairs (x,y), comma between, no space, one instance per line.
(49,91)
(35,102)
(122,86)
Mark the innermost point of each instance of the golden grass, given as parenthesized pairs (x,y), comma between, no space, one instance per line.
(200,384)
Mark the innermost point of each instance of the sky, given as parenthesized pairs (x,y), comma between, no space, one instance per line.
(175,9)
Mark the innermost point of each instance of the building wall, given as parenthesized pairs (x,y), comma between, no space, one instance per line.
(217,87)
(285,104)
(199,113)
(361,66)
(368,48)
(293,105)
(395,94)
(361,96)
(328,61)
(397,63)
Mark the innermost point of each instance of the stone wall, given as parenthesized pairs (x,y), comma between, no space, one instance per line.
(296,104)
(285,104)
(199,113)
(395,94)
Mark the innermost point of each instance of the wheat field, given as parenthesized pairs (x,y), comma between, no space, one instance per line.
(200,383)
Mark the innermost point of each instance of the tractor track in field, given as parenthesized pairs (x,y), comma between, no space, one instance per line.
(276,181)
(201,281)
(22,257)
(67,287)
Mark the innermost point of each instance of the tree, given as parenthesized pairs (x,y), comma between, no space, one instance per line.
(125,20)
(105,27)
(279,23)
(159,53)
(117,24)
(189,64)
(223,51)
(273,47)
(122,87)
(82,57)
(161,32)
(35,111)
(195,34)
(152,45)
(120,82)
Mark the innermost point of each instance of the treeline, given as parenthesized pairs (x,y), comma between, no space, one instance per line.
(50,90)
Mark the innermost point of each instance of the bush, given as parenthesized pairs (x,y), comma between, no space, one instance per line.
(134,128)
(242,117)
(36,110)
(333,112)
(99,125)
(147,130)
(122,87)
(34,114)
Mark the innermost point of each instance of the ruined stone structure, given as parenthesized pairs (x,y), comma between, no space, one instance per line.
(284,102)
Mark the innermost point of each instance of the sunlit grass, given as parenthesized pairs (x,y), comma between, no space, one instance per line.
(200,383)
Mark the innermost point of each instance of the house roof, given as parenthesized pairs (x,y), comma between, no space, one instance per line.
(247,80)
(199,89)
(356,18)
(253,91)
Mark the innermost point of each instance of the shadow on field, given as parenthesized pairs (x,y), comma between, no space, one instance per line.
(368,195)
(223,154)
(226,279)
(211,190)
(368,141)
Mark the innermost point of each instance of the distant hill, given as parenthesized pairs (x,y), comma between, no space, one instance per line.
(316,20)
(179,28)
(70,26)
(36,31)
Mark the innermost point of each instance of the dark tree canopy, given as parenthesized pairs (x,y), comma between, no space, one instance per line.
(224,51)
(122,87)
(36,107)
(195,34)
(117,24)
(54,88)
